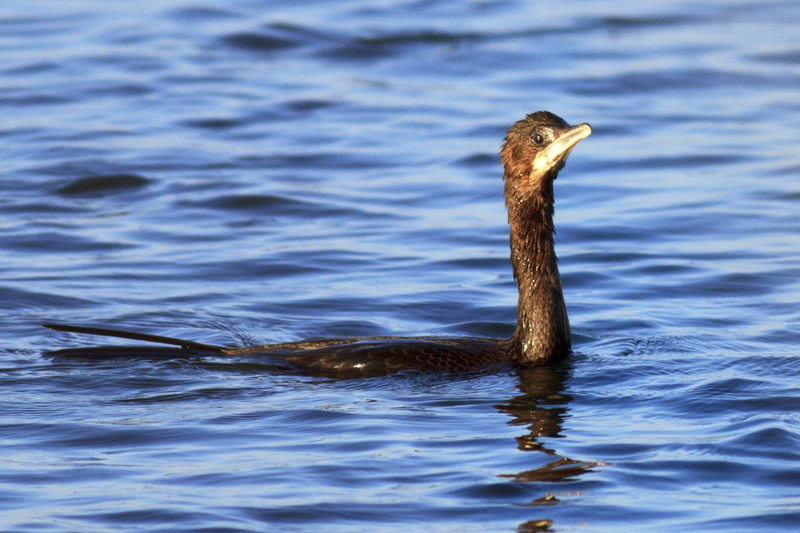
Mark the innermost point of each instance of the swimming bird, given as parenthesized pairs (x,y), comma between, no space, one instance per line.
(534,151)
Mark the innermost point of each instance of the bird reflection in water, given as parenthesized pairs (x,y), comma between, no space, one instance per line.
(541,408)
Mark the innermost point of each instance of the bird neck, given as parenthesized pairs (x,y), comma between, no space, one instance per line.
(542,333)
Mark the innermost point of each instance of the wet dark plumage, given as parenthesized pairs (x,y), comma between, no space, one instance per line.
(534,151)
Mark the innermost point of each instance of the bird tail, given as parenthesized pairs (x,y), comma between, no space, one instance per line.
(184,348)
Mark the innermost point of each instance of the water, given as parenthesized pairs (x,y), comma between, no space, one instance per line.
(247,172)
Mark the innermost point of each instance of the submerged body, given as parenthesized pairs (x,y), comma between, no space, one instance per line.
(340,357)
(534,151)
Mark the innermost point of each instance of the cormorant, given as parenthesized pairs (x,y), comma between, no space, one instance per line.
(534,151)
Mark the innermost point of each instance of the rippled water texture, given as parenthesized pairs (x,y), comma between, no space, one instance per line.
(250,172)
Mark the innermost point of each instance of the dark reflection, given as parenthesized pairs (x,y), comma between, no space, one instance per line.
(564,469)
(541,406)
(534,526)
(541,409)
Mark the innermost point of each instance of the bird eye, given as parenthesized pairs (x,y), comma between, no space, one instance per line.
(537,138)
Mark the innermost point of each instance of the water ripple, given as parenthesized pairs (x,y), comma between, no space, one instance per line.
(237,174)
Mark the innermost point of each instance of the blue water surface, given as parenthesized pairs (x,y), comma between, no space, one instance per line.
(247,172)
